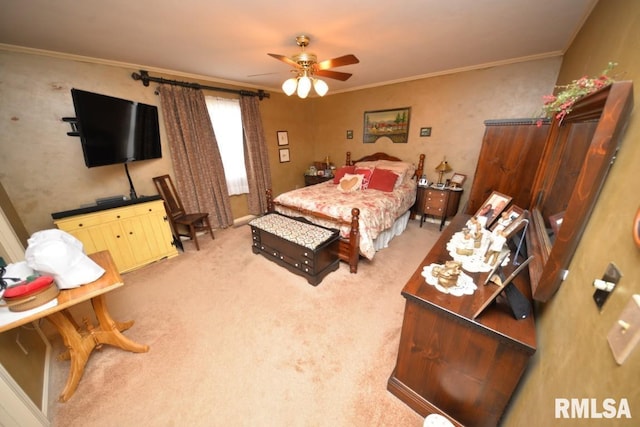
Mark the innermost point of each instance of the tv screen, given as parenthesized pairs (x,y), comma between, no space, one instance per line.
(114,130)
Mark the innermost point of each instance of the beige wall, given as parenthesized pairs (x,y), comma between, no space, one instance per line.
(573,358)
(43,171)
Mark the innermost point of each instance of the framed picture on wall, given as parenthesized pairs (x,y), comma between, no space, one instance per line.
(393,124)
(284,155)
(283,137)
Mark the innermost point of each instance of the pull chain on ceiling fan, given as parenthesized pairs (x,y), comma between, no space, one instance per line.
(307,67)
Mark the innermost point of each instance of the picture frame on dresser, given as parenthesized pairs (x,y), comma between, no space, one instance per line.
(493,207)
(508,217)
(457,180)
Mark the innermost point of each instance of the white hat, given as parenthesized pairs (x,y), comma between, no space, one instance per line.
(61,255)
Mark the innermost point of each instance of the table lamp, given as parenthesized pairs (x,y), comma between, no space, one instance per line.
(442,168)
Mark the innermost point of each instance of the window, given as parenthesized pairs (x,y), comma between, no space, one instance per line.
(227,126)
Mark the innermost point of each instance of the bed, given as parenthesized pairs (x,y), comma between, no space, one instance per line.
(367,218)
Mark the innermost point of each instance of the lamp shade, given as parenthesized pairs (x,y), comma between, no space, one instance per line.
(443,167)
(304,86)
(320,87)
(289,86)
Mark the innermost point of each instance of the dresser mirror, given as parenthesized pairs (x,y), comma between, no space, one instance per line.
(577,156)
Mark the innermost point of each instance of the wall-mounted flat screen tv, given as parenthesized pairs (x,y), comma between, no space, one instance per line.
(114,130)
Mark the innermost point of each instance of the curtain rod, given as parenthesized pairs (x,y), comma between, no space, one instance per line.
(146,78)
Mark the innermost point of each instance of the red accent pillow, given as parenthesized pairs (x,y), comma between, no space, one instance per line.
(366,176)
(383,180)
(341,171)
(28,288)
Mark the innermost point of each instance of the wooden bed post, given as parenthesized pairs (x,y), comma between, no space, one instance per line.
(420,169)
(270,207)
(348,160)
(354,240)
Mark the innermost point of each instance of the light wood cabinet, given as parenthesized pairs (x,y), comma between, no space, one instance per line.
(135,235)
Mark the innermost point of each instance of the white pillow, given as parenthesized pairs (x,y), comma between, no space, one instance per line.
(350,182)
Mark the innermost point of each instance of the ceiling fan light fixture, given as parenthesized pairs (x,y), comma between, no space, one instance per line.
(289,86)
(320,86)
(304,86)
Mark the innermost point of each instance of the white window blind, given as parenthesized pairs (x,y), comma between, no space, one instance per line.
(227,126)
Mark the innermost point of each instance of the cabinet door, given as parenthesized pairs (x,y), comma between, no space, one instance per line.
(148,235)
(509,157)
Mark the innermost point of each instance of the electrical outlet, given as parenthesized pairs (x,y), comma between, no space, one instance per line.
(625,333)
(606,285)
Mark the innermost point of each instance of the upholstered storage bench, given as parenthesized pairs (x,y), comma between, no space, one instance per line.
(294,243)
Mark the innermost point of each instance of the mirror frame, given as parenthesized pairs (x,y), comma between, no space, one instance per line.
(609,109)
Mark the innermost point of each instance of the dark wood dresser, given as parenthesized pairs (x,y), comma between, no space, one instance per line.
(450,364)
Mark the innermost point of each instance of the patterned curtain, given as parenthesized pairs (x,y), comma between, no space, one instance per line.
(197,164)
(256,155)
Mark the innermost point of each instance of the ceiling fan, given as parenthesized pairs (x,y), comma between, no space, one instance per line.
(307,68)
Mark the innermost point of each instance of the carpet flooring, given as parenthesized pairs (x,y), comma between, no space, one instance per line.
(236,340)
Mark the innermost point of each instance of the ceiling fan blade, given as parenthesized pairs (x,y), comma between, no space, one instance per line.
(284,59)
(338,62)
(337,75)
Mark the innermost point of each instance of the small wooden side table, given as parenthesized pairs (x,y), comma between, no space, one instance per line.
(81,341)
(438,202)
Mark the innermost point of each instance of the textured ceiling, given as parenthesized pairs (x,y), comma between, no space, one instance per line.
(229,41)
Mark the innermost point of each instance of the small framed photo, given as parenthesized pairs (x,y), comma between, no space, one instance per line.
(284,155)
(283,137)
(457,180)
(493,207)
(425,131)
(349,134)
(507,217)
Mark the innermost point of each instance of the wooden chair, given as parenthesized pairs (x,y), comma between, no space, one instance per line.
(193,222)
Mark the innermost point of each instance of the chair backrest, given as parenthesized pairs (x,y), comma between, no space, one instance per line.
(167,191)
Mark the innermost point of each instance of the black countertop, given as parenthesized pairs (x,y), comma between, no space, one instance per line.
(104,206)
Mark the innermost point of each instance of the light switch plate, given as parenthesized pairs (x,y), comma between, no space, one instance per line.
(625,333)
(611,275)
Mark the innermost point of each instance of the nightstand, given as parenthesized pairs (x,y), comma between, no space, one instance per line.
(438,202)
(315,179)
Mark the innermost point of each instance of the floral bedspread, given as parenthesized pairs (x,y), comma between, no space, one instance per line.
(378,209)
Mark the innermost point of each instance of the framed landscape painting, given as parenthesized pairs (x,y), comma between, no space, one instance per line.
(393,124)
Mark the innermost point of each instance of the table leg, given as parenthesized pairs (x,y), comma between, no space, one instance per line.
(109,330)
(80,345)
